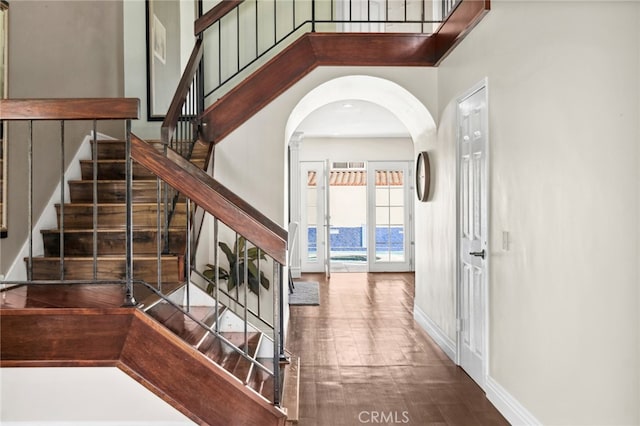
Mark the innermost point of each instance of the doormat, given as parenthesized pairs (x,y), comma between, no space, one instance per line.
(305,293)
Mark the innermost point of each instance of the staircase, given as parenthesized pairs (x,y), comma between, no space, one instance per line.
(186,322)
(160,346)
(76,221)
(203,359)
(210,340)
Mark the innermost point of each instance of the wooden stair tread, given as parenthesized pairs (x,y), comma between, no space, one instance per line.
(104,257)
(224,355)
(260,380)
(291,389)
(70,295)
(123,205)
(115,181)
(106,230)
(112,215)
(180,324)
(116,149)
(114,191)
(119,161)
(145,268)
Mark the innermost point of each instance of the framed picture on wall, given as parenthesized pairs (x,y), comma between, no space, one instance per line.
(163,55)
(159,40)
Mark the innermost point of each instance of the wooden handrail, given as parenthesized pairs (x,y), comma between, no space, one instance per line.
(335,49)
(214,15)
(215,198)
(462,19)
(70,109)
(173,114)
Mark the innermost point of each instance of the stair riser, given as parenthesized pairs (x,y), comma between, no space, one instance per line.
(113,192)
(108,269)
(114,150)
(110,150)
(116,170)
(113,171)
(81,243)
(113,216)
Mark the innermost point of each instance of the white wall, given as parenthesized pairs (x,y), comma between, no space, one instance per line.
(135,59)
(435,234)
(135,65)
(259,145)
(563,108)
(638,233)
(356,149)
(82,396)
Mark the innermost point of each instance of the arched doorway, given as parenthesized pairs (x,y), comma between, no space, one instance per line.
(393,239)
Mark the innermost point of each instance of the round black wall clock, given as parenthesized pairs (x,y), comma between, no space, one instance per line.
(423,176)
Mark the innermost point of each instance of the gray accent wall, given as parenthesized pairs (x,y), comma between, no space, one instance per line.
(57,49)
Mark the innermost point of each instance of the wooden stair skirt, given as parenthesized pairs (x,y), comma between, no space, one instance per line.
(219,349)
(144,349)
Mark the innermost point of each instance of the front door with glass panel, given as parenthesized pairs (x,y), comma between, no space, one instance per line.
(312,229)
(389,217)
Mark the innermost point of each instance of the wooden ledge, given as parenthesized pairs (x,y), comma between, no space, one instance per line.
(70,109)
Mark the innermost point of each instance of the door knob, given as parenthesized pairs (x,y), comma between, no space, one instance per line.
(477,253)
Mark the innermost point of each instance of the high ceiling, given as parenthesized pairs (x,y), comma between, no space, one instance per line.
(351,119)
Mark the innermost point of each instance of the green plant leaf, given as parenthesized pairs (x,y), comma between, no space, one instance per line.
(231,257)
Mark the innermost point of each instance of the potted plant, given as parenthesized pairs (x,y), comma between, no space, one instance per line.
(235,274)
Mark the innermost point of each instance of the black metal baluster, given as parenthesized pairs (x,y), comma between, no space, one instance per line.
(129,297)
(219,53)
(276,336)
(246,290)
(30,200)
(257,31)
(237,267)
(259,280)
(95,199)
(238,38)
(188,256)
(216,263)
(159,215)
(62,184)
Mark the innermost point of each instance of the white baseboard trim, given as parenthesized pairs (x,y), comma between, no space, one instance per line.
(296,272)
(509,407)
(436,333)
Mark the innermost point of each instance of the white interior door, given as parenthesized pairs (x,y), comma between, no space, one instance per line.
(389,224)
(312,232)
(473,224)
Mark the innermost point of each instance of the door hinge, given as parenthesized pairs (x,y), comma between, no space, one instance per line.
(459,323)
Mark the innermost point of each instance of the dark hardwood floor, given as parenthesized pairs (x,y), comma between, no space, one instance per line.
(365,361)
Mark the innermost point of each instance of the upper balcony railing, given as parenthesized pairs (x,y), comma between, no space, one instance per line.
(238,34)
(235,37)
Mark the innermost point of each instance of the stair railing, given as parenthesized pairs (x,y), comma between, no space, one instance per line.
(227,29)
(260,247)
(238,34)
(35,112)
(257,365)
